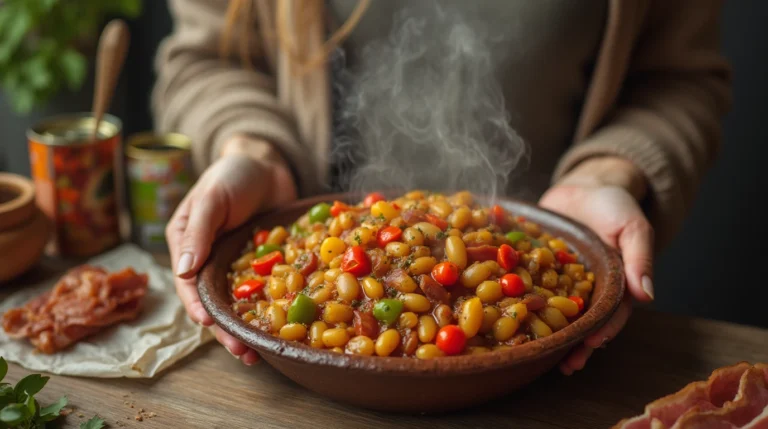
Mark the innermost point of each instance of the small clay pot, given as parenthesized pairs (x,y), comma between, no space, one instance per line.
(24,229)
(408,384)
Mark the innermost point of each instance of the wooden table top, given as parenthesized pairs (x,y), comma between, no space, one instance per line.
(655,355)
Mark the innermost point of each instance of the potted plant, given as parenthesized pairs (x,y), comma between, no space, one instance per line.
(46,67)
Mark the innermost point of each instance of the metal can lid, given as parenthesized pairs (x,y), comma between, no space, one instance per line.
(149,145)
(74,129)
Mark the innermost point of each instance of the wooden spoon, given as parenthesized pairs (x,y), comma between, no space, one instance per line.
(113,47)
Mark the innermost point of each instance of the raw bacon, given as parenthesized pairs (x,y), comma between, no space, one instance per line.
(85,300)
(733,397)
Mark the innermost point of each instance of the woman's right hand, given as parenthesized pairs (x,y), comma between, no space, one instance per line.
(248,177)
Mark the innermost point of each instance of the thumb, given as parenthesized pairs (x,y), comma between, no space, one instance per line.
(636,244)
(205,218)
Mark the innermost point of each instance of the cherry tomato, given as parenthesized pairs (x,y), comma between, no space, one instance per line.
(565,257)
(507,257)
(260,237)
(372,198)
(451,340)
(338,208)
(512,285)
(248,288)
(356,262)
(264,264)
(498,215)
(388,235)
(446,273)
(436,221)
(578,301)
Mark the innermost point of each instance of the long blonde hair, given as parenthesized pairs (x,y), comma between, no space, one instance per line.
(240,15)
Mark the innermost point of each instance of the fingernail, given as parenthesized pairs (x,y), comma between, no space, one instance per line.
(647,286)
(185,264)
(604,343)
(233,355)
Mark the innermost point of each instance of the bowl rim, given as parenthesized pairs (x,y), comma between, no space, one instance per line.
(595,317)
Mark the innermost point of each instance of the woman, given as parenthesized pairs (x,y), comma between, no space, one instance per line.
(626,162)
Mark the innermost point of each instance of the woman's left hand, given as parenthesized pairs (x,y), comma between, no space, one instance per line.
(603,194)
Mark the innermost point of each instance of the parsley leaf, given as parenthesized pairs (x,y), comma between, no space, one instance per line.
(358,239)
(94,423)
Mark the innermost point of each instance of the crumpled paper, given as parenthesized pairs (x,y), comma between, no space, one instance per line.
(160,336)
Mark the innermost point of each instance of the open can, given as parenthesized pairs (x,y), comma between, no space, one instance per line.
(159,176)
(77,181)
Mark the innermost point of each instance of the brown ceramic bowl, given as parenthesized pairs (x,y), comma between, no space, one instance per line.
(412,385)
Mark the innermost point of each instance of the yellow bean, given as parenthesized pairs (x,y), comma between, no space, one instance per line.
(460,218)
(321,294)
(427,328)
(360,236)
(420,251)
(360,345)
(583,286)
(474,275)
(277,288)
(525,276)
(546,293)
(277,235)
(335,337)
(293,332)
(591,277)
(456,251)
(505,328)
(484,236)
(315,279)
(416,303)
(407,320)
(440,209)
(574,271)
(454,232)
(428,230)
(338,350)
(291,254)
(539,329)
(345,220)
(479,218)
(522,245)
(470,237)
(347,287)
(276,317)
(413,237)
(490,316)
(543,257)
(443,315)
(248,316)
(281,270)
(422,265)
(332,274)
(314,240)
(558,244)
(553,317)
(244,262)
(331,248)
(335,229)
(565,305)
(397,249)
(494,267)
(387,342)
(517,311)
(316,334)
(564,282)
(372,288)
(532,229)
(471,317)
(489,291)
(294,282)
(506,302)
(415,195)
(404,283)
(385,210)
(261,307)
(549,279)
(429,351)
(476,350)
(462,198)
(335,313)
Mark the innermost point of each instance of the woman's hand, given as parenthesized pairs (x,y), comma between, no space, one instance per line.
(248,177)
(603,193)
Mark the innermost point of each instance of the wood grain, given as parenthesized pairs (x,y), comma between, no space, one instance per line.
(655,355)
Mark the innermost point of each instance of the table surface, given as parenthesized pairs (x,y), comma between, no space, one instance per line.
(655,355)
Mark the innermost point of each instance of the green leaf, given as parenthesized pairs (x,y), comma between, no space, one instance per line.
(48,4)
(14,33)
(73,66)
(23,99)
(6,395)
(30,385)
(31,405)
(3,366)
(130,8)
(38,72)
(53,411)
(13,414)
(94,423)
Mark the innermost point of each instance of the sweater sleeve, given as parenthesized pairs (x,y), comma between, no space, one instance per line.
(210,99)
(668,117)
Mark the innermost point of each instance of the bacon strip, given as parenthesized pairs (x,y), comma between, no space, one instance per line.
(733,397)
(85,300)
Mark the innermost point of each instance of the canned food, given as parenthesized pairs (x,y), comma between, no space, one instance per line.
(76,181)
(159,176)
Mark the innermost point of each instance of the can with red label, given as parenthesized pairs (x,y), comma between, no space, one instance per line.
(78,181)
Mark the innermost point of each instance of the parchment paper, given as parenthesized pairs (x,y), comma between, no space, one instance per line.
(160,336)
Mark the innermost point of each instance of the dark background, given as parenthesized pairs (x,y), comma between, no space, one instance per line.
(713,267)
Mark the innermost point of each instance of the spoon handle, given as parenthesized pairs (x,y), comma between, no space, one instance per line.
(112,50)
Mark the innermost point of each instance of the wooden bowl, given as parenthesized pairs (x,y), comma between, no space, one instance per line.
(24,229)
(406,384)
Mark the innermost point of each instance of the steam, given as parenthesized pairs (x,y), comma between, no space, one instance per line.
(423,110)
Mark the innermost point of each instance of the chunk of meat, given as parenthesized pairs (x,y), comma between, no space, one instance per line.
(307,263)
(85,300)
(380,262)
(534,301)
(365,324)
(433,290)
(413,216)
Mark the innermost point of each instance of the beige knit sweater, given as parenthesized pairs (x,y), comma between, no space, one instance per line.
(656,97)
